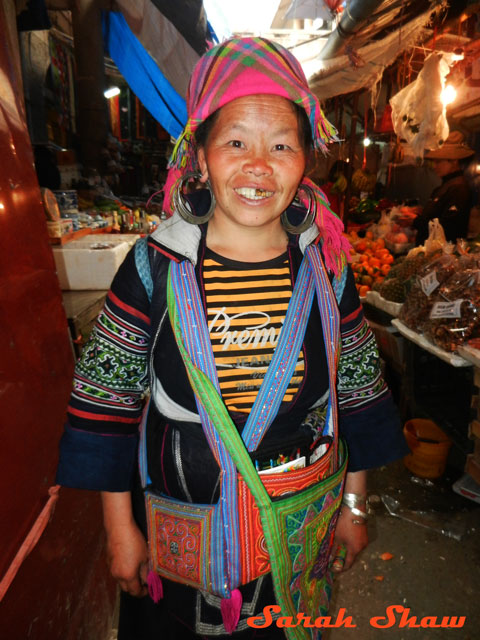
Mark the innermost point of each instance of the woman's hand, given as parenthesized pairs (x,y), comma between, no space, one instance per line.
(127,551)
(353,537)
(351,532)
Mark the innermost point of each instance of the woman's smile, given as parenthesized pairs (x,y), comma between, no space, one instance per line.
(253,193)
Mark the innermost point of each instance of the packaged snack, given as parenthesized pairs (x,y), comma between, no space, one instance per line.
(423,288)
(455,313)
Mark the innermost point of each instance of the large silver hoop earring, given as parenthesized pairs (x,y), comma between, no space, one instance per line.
(310,216)
(182,206)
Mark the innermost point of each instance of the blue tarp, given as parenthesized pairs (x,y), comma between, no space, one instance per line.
(143,75)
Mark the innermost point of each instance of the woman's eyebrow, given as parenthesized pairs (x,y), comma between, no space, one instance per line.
(284,131)
(239,126)
(236,126)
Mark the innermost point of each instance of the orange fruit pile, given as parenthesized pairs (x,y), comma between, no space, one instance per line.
(370,261)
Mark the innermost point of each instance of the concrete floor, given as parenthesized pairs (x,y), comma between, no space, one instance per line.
(430,573)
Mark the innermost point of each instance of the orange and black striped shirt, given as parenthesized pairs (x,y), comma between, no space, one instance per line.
(246,307)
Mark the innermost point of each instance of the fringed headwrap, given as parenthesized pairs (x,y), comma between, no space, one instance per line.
(335,246)
(241,67)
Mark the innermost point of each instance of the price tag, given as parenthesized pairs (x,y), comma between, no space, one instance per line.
(429,283)
(446,309)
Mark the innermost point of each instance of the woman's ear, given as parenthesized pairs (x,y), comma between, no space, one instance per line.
(202,163)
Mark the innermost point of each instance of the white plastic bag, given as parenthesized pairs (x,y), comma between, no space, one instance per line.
(418,114)
(436,237)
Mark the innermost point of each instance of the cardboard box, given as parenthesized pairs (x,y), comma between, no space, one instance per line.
(473,468)
(89,263)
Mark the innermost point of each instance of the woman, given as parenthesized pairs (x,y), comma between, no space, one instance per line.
(253,125)
(452,200)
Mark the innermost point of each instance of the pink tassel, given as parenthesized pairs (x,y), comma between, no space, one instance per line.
(174,174)
(336,247)
(230,608)
(155,586)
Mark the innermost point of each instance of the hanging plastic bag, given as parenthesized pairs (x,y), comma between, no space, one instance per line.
(383,225)
(418,114)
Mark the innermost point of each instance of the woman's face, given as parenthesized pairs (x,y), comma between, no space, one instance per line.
(443,167)
(254,160)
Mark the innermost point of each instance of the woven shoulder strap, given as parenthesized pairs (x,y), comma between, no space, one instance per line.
(213,404)
(339,283)
(143,265)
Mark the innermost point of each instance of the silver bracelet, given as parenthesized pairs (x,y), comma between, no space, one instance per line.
(359,513)
(354,500)
(360,517)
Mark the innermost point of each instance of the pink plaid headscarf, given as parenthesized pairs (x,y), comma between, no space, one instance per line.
(250,66)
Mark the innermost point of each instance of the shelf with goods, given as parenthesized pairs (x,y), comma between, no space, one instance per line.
(427,381)
(451,358)
(99,215)
(79,233)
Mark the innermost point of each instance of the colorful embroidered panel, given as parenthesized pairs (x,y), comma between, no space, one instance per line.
(180,536)
(111,373)
(360,379)
(255,559)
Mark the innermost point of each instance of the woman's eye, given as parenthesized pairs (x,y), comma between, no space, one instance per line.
(236,143)
(282,147)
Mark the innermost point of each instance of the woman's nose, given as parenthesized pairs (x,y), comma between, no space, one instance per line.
(257,164)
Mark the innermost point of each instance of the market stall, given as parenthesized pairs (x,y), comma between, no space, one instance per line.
(424,312)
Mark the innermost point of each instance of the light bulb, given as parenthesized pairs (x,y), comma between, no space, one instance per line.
(458,55)
(367,142)
(448,95)
(111,92)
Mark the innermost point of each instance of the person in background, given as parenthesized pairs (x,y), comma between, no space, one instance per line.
(232,252)
(452,200)
(336,186)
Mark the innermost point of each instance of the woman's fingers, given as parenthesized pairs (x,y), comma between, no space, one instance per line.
(134,587)
(338,558)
